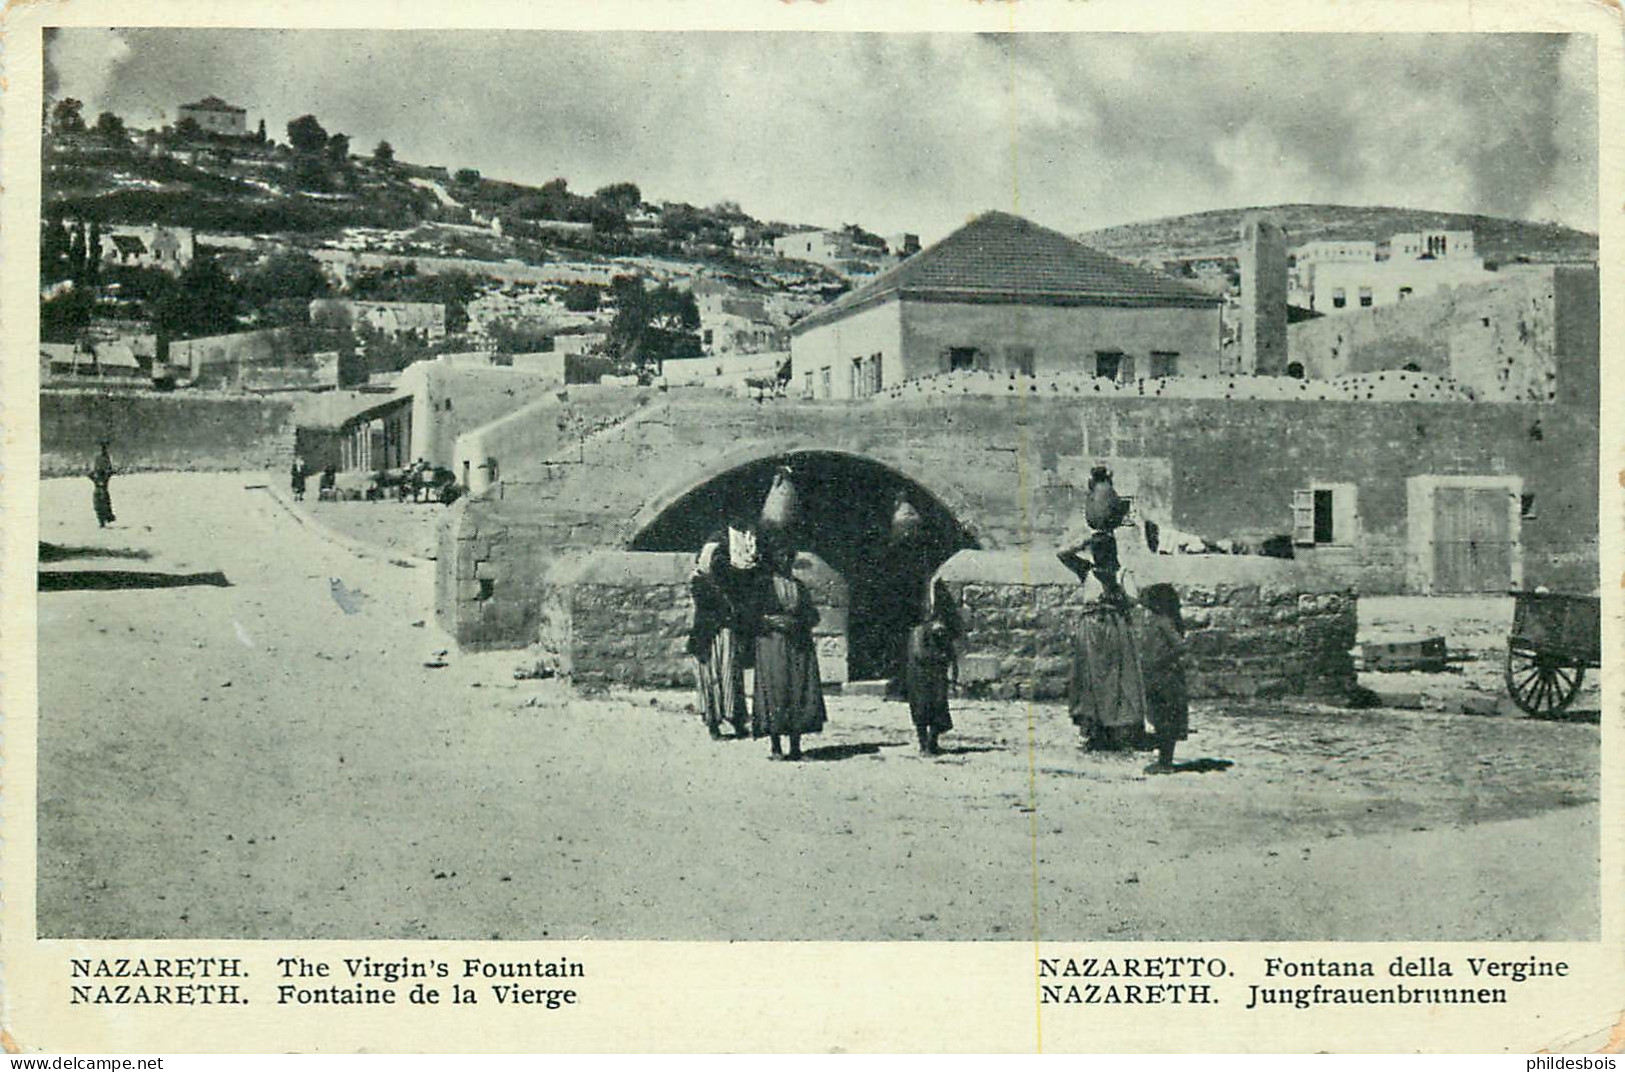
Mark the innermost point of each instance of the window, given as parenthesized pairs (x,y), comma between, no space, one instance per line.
(1340,297)
(1324,515)
(874,372)
(859,382)
(1107,363)
(1526,507)
(1365,297)
(807,384)
(1164,363)
(826,381)
(961,357)
(1125,369)
(1019,359)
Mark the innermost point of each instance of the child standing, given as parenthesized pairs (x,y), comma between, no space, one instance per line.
(1162,659)
(929,660)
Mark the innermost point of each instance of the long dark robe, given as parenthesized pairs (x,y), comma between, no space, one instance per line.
(719,638)
(1162,660)
(101,475)
(930,652)
(102,499)
(789,697)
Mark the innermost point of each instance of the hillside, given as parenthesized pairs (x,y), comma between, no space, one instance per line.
(1212,235)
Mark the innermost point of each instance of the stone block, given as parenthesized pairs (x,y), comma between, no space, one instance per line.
(1240,595)
(978,668)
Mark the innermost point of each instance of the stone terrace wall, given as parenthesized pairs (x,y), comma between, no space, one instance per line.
(1254,627)
(156,431)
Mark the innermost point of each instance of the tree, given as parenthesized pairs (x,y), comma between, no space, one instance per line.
(260,137)
(54,244)
(306,135)
(63,316)
(556,200)
(338,149)
(188,130)
(310,173)
(653,326)
(93,254)
(864,238)
(110,129)
(76,251)
(67,116)
(204,302)
(383,153)
(519,337)
(282,288)
(605,218)
(581,298)
(622,197)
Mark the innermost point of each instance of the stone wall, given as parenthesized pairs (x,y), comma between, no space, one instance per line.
(619,618)
(523,441)
(1254,627)
(1013,472)
(148,430)
(1512,338)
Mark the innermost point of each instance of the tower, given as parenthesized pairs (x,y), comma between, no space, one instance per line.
(1263,296)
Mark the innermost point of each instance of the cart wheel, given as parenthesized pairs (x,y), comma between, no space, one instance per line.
(1543,685)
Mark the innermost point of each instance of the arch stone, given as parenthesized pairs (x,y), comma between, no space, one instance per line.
(700,473)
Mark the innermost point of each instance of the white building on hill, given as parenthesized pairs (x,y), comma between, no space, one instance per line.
(1335,276)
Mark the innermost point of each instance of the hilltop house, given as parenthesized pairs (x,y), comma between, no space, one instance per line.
(215,116)
(1337,276)
(1004,294)
(168,248)
(828,248)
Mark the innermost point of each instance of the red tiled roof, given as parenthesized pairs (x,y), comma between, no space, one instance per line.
(213,104)
(998,258)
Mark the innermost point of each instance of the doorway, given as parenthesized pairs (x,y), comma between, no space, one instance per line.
(1468,532)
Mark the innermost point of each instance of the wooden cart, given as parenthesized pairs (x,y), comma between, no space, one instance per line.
(1554,639)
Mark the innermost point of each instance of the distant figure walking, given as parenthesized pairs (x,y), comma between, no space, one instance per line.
(297,478)
(720,638)
(789,699)
(1162,658)
(929,663)
(101,475)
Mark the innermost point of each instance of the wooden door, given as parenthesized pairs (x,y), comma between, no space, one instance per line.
(1472,541)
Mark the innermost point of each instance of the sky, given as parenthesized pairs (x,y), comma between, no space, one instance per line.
(915,132)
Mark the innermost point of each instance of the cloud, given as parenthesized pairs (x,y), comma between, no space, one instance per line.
(82,63)
(914,131)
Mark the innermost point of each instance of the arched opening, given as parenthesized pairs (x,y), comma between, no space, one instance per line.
(847,503)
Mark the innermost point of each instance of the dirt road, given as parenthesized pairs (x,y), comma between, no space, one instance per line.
(272,758)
